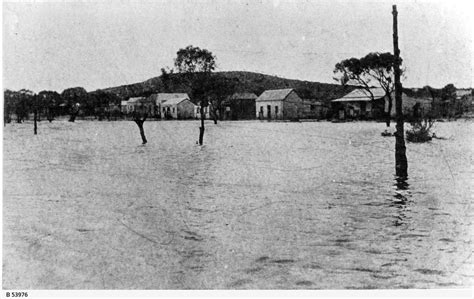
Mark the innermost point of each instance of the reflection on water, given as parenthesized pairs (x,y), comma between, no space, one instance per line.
(400,202)
(261,205)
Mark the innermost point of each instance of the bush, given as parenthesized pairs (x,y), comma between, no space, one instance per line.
(420,130)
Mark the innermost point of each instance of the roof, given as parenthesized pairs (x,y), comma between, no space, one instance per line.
(243,96)
(134,100)
(162,97)
(174,101)
(274,95)
(362,95)
(463,92)
(312,102)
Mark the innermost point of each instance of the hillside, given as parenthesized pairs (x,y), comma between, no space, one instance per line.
(245,81)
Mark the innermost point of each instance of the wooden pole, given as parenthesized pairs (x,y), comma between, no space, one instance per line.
(401,164)
(35,113)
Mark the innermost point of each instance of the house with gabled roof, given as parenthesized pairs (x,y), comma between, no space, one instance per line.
(138,104)
(279,104)
(360,103)
(159,98)
(178,108)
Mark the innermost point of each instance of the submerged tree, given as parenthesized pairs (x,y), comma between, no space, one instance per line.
(139,118)
(219,89)
(23,104)
(73,97)
(374,68)
(197,64)
(8,105)
(49,103)
(448,101)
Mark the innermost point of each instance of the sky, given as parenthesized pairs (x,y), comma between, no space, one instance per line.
(62,44)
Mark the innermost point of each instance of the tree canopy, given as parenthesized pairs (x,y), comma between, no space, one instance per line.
(374,68)
(194,60)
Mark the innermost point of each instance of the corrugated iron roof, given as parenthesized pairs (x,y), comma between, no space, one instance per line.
(162,97)
(463,92)
(243,96)
(174,101)
(134,100)
(312,102)
(362,95)
(274,95)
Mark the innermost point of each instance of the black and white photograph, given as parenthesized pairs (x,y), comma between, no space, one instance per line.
(269,145)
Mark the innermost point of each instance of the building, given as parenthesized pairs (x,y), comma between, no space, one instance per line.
(314,109)
(139,104)
(197,110)
(123,107)
(362,104)
(279,104)
(240,106)
(178,108)
(464,100)
(359,103)
(132,104)
(159,98)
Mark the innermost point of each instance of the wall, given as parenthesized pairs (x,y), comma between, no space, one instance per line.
(272,105)
(292,106)
(173,111)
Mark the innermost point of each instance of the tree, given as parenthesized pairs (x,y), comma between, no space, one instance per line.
(102,103)
(197,64)
(448,100)
(139,117)
(9,105)
(166,79)
(74,98)
(374,68)
(192,60)
(218,89)
(49,103)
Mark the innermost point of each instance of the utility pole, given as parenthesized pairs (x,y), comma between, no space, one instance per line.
(401,164)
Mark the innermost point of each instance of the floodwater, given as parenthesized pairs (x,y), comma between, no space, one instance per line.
(260,206)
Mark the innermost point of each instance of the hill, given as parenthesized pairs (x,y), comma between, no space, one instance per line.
(245,82)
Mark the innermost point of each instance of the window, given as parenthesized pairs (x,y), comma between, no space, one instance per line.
(173,109)
(276,110)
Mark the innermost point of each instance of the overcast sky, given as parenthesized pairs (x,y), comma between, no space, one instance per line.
(96,45)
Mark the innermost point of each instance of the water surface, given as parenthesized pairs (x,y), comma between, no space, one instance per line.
(260,206)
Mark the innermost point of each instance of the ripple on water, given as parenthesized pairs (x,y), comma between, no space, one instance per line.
(429,271)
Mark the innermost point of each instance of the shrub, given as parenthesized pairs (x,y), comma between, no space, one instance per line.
(420,130)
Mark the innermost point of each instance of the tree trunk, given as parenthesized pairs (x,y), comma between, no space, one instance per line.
(201,128)
(401,164)
(139,123)
(388,115)
(35,120)
(50,116)
(35,115)
(215,116)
